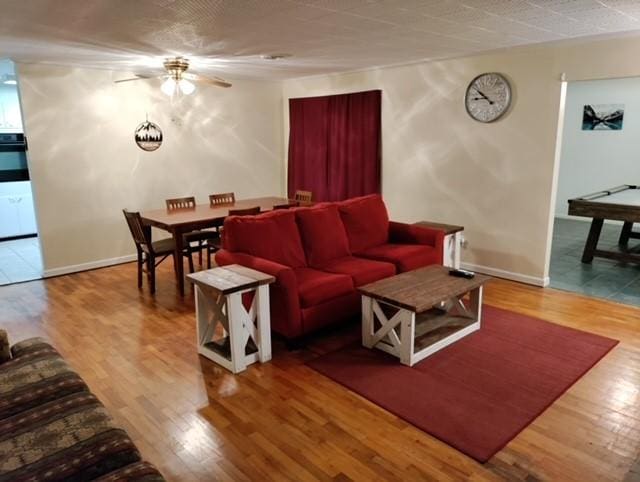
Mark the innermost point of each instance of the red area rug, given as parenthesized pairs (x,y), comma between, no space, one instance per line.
(479,393)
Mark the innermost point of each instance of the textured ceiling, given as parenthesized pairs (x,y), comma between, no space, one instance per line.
(227,37)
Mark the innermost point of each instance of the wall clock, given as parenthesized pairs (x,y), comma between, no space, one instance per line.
(488,97)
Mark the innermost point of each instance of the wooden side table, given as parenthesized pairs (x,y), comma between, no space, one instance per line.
(452,241)
(245,336)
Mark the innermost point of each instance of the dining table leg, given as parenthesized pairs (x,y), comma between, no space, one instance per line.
(177,259)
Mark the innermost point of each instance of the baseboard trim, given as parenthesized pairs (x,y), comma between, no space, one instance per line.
(103,263)
(20,236)
(500,273)
(76,268)
(586,220)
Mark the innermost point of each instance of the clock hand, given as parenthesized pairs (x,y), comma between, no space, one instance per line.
(483,96)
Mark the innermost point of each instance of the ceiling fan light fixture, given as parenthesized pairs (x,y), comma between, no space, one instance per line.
(168,87)
(172,87)
(186,87)
(176,78)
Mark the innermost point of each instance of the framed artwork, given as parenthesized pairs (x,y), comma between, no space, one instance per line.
(148,136)
(602,117)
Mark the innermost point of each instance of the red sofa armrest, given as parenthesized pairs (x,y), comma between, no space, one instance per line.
(224,257)
(404,233)
(285,302)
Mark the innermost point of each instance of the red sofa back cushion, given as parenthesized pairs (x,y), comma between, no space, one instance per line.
(323,234)
(366,221)
(273,235)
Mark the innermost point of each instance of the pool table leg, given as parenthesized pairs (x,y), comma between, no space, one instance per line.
(625,234)
(592,240)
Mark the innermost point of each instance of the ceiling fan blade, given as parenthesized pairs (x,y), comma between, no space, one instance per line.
(139,77)
(208,80)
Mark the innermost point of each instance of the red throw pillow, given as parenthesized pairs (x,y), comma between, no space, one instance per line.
(366,221)
(323,234)
(273,235)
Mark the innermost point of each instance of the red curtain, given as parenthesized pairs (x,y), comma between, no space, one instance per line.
(334,145)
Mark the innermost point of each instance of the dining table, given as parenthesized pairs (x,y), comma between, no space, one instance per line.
(202,216)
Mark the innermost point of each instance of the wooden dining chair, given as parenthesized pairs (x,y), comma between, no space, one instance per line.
(245,211)
(286,206)
(149,251)
(303,196)
(194,240)
(181,203)
(216,245)
(222,198)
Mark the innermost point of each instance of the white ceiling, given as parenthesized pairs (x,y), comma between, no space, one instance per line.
(227,37)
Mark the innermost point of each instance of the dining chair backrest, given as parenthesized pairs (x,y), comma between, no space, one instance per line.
(304,196)
(181,203)
(222,198)
(134,221)
(285,206)
(245,212)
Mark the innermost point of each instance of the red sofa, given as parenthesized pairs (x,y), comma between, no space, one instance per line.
(321,254)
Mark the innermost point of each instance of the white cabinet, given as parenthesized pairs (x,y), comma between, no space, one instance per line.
(9,223)
(17,213)
(26,214)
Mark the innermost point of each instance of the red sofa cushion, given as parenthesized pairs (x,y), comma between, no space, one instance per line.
(323,234)
(315,287)
(361,270)
(333,312)
(406,257)
(366,221)
(273,235)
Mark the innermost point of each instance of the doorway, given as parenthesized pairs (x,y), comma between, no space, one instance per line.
(20,255)
(599,152)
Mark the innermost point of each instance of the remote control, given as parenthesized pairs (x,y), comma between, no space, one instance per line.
(462,273)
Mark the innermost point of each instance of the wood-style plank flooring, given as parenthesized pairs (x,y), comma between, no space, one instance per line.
(283,421)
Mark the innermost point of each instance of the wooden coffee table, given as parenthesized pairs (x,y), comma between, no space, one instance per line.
(415,314)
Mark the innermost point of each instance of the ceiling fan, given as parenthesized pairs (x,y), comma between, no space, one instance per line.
(177,78)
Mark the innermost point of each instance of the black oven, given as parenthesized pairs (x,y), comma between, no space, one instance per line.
(13,158)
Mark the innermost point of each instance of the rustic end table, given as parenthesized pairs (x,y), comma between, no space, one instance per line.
(221,297)
(452,241)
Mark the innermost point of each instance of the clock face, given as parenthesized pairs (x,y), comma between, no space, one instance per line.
(488,97)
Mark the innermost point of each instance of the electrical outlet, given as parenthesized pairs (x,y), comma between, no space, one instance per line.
(464,243)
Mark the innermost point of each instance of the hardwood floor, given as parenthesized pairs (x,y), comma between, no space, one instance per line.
(283,421)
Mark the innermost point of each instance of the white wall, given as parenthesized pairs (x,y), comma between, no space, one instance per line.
(86,167)
(497,180)
(440,165)
(595,160)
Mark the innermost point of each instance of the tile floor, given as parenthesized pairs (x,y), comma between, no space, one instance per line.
(602,278)
(20,260)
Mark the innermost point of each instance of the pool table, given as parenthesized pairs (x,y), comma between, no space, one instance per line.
(620,203)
